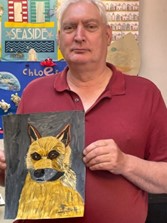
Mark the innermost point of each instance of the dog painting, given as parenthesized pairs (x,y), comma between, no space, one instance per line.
(50,186)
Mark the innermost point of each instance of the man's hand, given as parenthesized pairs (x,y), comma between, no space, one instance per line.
(2,167)
(104,155)
(2,160)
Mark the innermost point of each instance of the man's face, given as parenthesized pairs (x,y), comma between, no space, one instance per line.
(83,36)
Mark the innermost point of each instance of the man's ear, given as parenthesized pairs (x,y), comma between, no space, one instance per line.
(109,34)
(58,38)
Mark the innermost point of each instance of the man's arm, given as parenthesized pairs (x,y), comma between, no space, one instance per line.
(150,176)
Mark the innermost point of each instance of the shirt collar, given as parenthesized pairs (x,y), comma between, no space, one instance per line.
(60,82)
(116,85)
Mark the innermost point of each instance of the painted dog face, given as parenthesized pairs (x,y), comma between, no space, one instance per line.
(48,158)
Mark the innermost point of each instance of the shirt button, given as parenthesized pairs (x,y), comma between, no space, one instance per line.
(76,99)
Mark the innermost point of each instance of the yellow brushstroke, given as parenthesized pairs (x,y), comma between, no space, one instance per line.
(49,200)
(29,25)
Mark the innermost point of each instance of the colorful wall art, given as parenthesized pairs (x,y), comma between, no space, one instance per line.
(14,77)
(28,30)
(123,16)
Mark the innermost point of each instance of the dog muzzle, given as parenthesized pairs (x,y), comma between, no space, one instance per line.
(47,174)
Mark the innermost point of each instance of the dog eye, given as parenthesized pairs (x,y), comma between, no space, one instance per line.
(53,154)
(35,156)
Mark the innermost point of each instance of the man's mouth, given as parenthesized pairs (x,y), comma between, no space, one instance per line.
(80,50)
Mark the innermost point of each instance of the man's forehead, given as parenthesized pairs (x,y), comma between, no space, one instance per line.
(84,20)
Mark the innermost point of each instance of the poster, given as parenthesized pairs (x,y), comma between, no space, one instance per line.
(123,16)
(45,176)
(124,52)
(28,30)
(15,76)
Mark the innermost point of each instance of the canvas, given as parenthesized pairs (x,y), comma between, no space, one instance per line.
(45,175)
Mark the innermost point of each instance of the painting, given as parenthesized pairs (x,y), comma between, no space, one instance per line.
(124,52)
(123,16)
(29,30)
(45,176)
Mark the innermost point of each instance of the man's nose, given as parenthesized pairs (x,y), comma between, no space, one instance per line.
(80,34)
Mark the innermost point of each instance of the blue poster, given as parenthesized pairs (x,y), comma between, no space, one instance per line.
(14,77)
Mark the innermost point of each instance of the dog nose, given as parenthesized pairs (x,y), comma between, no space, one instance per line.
(39,173)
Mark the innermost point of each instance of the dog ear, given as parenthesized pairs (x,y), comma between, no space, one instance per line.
(64,135)
(33,133)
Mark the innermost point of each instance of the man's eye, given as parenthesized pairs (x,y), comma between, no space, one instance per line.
(53,154)
(35,156)
(68,29)
(91,27)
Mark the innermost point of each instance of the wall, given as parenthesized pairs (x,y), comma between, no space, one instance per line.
(153,42)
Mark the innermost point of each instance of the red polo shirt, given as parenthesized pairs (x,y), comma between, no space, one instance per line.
(132,112)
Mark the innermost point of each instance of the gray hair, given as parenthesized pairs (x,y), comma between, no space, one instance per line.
(98,3)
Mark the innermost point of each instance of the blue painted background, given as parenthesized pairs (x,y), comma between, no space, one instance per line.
(25,72)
